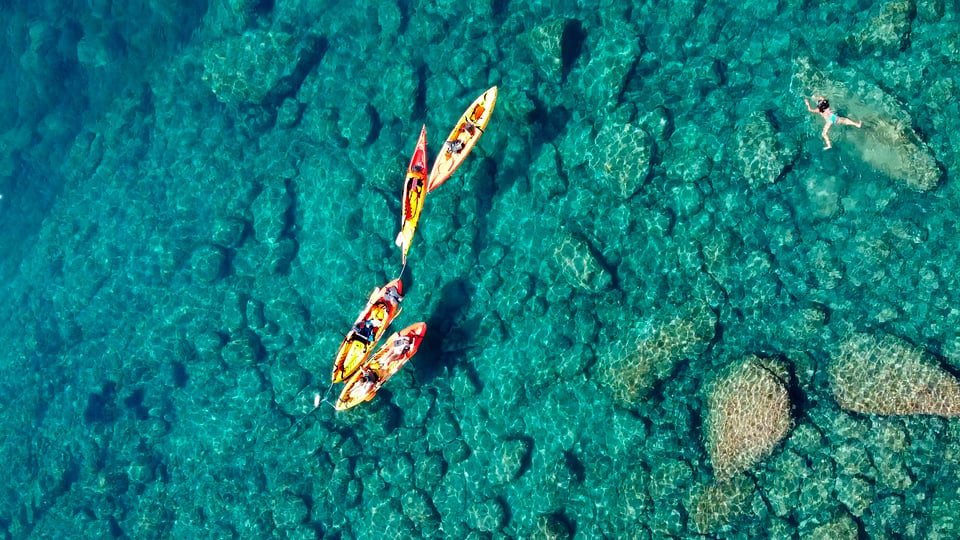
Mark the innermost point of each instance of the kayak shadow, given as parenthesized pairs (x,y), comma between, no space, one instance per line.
(448,336)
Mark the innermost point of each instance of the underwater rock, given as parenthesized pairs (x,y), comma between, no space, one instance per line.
(242,350)
(761,157)
(545,43)
(270,210)
(686,200)
(228,232)
(289,510)
(867,259)
(930,11)
(578,266)
(885,375)
(570,146)
(748,414)
(689,165)
(824,195)
(508,460)
(390,19)
(208,346)
(208,264)
(633,501)
(398,470)
(246,68)
(612,56)
(289,113)
(550,527)
(630,371)
(714,505)
(786,473)
(888,31)
(887,141)
(419,509)
(358,126)
(855,493)
(443,429)
(428,470)
(841,527)
(456,451)
(387,519)
(620,159)
(487,516)
(825,267)
(277,256)
(545,176)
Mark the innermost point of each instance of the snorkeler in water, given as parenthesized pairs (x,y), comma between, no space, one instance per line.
(830,117)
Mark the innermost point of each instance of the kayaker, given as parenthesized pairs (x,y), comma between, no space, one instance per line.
(455,146)
(392,295)
(369,377)
(401,345)
(366,329)
(830,117)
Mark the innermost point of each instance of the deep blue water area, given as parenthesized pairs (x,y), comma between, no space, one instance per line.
(656,305)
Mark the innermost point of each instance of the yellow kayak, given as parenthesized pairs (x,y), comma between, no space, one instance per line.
(413,194)
(382,307)
(399,348)
(462,139)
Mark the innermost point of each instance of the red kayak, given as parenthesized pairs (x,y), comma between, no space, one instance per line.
(382,307)
(414,191)
(399,348)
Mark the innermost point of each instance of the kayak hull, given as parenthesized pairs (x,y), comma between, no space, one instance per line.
(376,371)
(414,190)
(382,307)
(462,139)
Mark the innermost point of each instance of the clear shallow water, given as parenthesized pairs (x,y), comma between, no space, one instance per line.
(198,199)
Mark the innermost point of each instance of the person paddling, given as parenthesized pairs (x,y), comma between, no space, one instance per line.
(830,117)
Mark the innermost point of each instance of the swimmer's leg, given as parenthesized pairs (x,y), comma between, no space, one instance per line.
(849,122)
(826,139)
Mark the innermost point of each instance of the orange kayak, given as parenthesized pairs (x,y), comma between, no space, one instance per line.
(461,140)
(382,307)
(399,348)
(413,193)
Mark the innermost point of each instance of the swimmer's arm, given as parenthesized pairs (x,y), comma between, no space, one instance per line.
(808,105)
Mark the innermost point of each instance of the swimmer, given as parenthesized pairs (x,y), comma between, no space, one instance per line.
(830,117)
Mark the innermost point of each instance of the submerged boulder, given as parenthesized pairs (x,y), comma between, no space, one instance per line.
(630,370)
(611,57)
(748,414)
(885,375)
(761,157)
(246,68)
(545,43)
(620,159)
(888,31)
(887,140)
(578,265)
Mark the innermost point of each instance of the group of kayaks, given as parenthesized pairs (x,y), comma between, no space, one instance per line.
(362,373)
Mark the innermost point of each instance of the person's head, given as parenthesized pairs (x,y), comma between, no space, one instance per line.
(823,105)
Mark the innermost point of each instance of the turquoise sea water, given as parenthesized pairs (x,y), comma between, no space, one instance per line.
(647,267)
